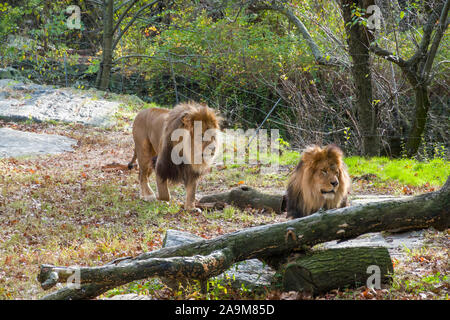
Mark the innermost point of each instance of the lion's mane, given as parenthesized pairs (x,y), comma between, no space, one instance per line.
(182,116)
(304,195)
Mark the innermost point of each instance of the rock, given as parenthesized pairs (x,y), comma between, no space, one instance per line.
(22,101)
(129,296)
(253,274)
(394,242)
(176,238)
(14,143)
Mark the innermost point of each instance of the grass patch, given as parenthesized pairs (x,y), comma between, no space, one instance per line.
(404,171)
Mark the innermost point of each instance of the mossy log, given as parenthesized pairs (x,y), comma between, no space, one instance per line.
(209,257)
(324,270)
(244,196)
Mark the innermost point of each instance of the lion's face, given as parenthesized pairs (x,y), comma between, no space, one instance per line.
(204,142)
(326,179)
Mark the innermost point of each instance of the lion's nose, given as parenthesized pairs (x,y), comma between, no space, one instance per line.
(334,183)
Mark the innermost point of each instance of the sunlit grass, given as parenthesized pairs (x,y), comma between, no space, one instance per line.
(404,171)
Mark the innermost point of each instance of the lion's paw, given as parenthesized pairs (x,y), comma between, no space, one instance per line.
(194,210)
(148,198)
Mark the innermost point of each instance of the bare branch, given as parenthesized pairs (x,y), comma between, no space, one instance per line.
(388,55)
(315,50)
(132,21)
(426,38)
(443,24)
(123,15)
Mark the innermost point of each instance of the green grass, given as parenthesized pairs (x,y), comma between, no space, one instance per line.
(404,171)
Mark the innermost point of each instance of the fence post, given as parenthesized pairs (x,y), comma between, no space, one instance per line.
(173,78)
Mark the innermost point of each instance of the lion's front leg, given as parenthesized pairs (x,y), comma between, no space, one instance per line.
(191,186)
(163,189)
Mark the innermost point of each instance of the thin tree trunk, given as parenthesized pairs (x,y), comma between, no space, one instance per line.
(106,64)
(419,121)
(243,197)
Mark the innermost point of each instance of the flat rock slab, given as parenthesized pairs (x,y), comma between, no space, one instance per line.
(21,101)
(14,143)
(394,242)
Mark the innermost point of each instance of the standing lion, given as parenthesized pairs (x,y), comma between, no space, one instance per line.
(178,144)
(320,180)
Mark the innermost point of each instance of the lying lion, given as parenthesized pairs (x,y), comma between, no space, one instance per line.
(320,180)
(179,144)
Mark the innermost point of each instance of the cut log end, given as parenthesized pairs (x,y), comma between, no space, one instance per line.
(325,270)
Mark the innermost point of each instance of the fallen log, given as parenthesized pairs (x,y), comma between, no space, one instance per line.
(324,270)
(244,196)
(280,239)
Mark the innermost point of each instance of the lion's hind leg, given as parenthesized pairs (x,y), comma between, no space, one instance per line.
(144,157)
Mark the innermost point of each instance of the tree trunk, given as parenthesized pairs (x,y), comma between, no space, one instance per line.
(243,197)
(359,38)
(205,258)
(104,71)
(419,121)
(322,271)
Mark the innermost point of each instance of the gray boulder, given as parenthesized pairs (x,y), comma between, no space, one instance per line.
(14,143)
(22,101)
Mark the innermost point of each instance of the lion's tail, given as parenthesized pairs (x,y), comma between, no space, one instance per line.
(133,160)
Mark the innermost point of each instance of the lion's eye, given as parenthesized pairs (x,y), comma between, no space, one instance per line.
(324,172)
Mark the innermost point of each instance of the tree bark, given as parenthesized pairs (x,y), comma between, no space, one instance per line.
(359,38)
(419,120)
(322,271)
(106,64)
(262,242)
(244,197)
